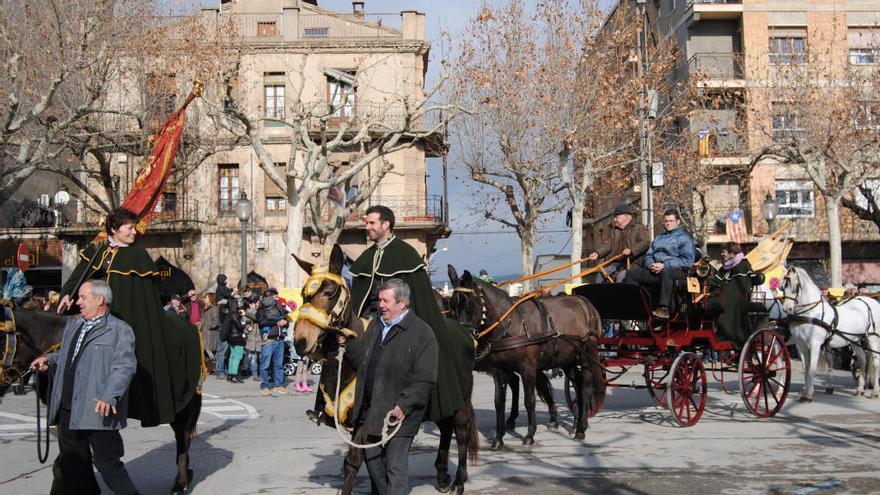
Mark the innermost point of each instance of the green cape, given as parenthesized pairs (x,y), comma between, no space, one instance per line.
(456,363)
(167,347)
(736,291)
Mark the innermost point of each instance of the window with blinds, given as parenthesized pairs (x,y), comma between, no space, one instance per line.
(228,190)
(276,200)
(864,45)
(788,45)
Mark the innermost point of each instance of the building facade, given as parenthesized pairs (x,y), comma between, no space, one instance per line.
(731,49)
(293,52)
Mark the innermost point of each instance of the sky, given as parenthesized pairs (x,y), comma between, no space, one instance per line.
(474,244)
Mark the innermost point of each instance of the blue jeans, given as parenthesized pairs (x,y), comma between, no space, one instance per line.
(271,356)
(253,356)
(220,359)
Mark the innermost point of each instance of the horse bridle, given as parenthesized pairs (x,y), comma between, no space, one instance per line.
(478,295)
(334,318)
(803,307)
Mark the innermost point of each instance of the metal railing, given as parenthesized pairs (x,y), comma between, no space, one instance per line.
(716,65)
(380,115)
(407,208)
(335,25)
(719,142)
(177,214)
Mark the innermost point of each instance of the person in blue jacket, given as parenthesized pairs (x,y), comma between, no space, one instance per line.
(672,250)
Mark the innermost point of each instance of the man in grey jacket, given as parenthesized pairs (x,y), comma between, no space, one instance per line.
(396,362)
(94,367)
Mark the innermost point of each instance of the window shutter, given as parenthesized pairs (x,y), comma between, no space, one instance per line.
(863,37)
(272,190)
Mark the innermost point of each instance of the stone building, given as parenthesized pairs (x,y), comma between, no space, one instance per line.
(370,61)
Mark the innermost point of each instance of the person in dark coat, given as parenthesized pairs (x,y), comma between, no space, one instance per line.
(390,257)
(627,237)
(234,333)
(223,295)
(396,363)
(94,367)
(168,351)
(732,285)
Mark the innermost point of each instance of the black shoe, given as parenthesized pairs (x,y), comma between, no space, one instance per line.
(233,379)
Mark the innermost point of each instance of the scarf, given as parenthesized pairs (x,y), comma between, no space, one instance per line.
(732,262)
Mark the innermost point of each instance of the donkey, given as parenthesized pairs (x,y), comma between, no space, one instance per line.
(312,337)
(558,332)
(815,324)
(38,331)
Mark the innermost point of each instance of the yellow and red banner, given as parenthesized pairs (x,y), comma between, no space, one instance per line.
(147,188)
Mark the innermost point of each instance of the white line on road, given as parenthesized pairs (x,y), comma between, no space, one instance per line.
(17,417)
(250,412)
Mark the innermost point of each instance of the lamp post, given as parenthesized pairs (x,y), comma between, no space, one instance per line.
(769,208)
(243,208)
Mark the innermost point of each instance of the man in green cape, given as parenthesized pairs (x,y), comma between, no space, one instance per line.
(167,347)
(390,257)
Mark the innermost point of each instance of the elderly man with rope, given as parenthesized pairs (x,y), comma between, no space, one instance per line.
(396,365)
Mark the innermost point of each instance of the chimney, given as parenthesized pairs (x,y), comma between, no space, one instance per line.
(357,8)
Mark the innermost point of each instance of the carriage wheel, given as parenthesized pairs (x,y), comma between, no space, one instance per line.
(570,396)
(724,363)
(655,381)
(764,373)
(686,389)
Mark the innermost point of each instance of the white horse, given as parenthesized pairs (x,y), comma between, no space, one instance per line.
(815,324)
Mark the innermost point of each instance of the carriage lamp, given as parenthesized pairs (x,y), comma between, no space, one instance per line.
(243,209)
(769,208)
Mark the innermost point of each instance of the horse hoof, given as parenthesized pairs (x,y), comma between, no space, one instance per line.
(459,489)
(528,442)
(829,390)
(444,484)
(553,425)
(805,399)
(497,445)
(580,435)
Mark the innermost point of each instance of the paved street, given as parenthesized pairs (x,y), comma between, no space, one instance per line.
(253,444)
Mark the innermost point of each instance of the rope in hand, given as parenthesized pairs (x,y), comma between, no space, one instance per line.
(41,456)
(390,421)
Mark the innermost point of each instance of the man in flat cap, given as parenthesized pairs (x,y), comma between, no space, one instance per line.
(627,237)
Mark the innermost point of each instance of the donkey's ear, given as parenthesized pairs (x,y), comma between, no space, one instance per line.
(305,265)
(337,259)
(467,279)
(453,274)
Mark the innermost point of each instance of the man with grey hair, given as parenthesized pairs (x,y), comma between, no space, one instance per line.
(94,367)
(396,362)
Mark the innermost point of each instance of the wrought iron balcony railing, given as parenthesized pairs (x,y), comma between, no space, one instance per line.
(716,65)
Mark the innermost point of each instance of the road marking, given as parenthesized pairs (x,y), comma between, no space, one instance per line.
(17,417)
(225,407)
(22,423)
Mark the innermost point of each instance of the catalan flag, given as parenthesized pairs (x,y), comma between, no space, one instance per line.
(736,229)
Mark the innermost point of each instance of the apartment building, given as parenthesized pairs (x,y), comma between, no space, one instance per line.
(293,52)
(734,48)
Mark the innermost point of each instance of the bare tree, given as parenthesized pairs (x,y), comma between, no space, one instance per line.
(502,71)
(866,208)
(319,132)
(821,121)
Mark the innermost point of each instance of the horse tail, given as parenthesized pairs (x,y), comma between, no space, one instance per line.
(195,409)
(473,436)
(597,370)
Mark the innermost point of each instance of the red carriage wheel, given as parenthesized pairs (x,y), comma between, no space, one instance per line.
(764,373)
(655,381)
(686,389)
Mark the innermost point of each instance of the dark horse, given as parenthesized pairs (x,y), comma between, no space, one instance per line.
(38,331)
(502,381)
(310,338)
(556,332)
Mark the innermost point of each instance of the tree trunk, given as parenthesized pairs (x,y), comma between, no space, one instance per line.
(835,262)
(527,249)
(577,235)
(293,240)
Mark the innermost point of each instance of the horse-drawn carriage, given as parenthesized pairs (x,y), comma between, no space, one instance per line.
(671,353)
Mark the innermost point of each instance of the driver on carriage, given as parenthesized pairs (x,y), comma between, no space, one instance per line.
(627,237)
(670,252)
(390,257)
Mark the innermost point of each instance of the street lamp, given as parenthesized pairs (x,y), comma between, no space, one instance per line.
(769,208)
(243,208)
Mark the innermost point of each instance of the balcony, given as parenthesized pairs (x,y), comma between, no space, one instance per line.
(715,9)
(717,69)
(172,216)
(410,211)
(286,27)
(720,142)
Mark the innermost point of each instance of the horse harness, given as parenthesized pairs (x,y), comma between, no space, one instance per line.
(831,328)
(8,343)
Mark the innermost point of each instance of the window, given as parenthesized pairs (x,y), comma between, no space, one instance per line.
(866,115)
(228,190)
(276,206)
(274,101)
(786,123)
(341,87)
(872,187)
(788,46)
(795,198)
(167,203)
(316,32)
(266,30)
(864,45)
